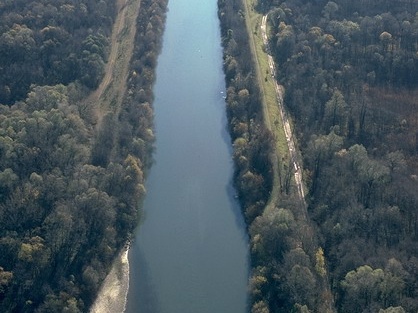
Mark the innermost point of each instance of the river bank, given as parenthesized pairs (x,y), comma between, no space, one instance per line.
(134,51)
(113,294)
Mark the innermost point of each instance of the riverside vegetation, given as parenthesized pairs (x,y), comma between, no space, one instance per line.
(287,266)
(69,203)
(70,190)
(349,69)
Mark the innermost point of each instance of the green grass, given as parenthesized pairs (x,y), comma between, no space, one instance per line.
(271,109)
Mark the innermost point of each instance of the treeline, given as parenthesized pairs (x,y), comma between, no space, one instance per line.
(52,42)
(252,141)
(135,119)
(288,271)
(350,71)
(65,212)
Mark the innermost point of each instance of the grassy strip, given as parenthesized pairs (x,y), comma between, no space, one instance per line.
(271,109)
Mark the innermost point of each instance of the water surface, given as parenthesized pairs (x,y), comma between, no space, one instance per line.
(190,253)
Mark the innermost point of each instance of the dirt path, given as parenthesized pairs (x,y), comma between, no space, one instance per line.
(285,121)
(273,109)
(109,95)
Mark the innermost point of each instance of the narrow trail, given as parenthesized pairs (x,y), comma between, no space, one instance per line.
(108,96)
(285,121)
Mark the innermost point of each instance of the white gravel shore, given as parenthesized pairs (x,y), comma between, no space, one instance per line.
(113,294)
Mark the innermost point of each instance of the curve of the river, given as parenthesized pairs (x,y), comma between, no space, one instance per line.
(191,251)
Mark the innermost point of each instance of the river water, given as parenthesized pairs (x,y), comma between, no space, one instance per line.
(190,254)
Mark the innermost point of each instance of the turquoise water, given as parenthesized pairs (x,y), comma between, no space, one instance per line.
(191,252)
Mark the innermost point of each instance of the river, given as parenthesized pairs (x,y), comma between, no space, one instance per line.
(190,254)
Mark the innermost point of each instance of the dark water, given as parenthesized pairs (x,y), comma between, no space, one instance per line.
(190,253)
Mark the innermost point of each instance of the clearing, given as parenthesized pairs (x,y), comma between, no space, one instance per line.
(108,96)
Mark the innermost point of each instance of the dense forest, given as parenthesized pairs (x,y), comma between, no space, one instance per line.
(350,72)
(350,69)
(69,203)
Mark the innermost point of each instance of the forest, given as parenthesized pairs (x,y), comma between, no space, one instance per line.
(68,203)
(350,73)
